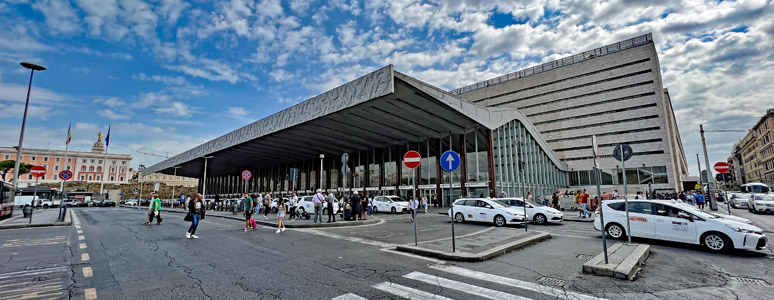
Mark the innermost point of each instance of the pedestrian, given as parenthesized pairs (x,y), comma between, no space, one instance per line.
(529,197)
(292,207)
(503,194)
(318,200)
(424,202)
(154,210)
(555,199)
(355,203)
(371,205)
(281,207)
(700,200)
(363,205)
(266,205)
(196,210)
(584,203)
(329,201)
(690,197)
(578,197)
(615,194)
(258,203)
(217,202)
(249,206)
(683,196)
(413,205)
(182,201)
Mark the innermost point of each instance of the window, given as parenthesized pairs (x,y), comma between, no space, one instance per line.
(53,177)
(114,162)
(7,157)
(29,176)
(100,161)
(68,167)
(83,168)
(91,169)
(98,177)
(56,168)
(33,158)
(123,163)
(83,178)
(57,159)
(123,170)
(92,161)
(122,178)
(112,170)
(84,161)
(620,206)
(90,177)
(114,179)
(99,168)
(69,160)
(640,208)
(45,158)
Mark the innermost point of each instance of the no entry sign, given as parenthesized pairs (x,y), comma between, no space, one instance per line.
(722,167)
(411,159)
(38,171)
(246,175)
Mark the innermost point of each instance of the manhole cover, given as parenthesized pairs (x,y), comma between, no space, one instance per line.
(751,280)
(585,256)
(551,281)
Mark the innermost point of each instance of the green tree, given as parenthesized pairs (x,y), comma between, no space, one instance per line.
(8,165)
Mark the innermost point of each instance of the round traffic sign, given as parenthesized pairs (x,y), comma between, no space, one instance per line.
(722,167)
(450,161)
(344,158)
(627,152)
(65,175)
(411,159)
(38,171)
(246,175)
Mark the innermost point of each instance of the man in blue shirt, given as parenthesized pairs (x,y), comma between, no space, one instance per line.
(700,200)
(182,200)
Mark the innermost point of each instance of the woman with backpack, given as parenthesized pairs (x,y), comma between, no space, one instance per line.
(281,207)
(195,213)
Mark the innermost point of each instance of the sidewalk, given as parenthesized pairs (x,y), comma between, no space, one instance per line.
(270,221)
(478,247)
(40,218)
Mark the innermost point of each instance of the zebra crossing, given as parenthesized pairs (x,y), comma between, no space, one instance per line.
(433,285)
(47,283)
(61,239)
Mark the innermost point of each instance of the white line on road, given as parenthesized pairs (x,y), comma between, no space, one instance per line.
(406,292)
(90,294)
(80,231)
(546,290)
(462,287)
(82,245)
(85,257)
(80,237)
(458,236)
(33,272)
(87,272)
(349,296)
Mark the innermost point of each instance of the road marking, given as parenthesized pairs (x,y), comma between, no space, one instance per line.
(85,257)
(406,292)
(90,294)
(347,238)
(80,231)
(546,290)
(87,272)
(80,237)
(34,284)
(461,286)
(33,272)
(82,245)
(349,296)
(34,242)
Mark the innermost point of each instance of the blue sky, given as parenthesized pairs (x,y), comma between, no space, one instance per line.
(171,74)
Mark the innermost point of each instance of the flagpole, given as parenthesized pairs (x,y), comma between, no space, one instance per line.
(104,163)
(64,163)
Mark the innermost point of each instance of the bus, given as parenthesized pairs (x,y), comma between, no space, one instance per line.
(755,188)
(6,199)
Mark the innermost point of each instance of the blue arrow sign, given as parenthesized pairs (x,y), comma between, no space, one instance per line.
(450,161)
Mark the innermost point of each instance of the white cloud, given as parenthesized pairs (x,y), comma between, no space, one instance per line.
(110,114)
(176,80)
(171,9)
(178,109)
(38,95)
(111,102)
(60,16)
(237,112)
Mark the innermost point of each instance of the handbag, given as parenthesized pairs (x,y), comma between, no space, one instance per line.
(188,217)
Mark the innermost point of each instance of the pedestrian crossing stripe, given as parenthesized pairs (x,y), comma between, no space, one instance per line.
(406,292)
(461,286)
(28,284)
(34,242)
(349,296)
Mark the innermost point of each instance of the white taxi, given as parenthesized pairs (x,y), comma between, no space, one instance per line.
(739,200)
(673,221)
(535,213)
(761,203)
(306,204)
(392,204)
(486,210)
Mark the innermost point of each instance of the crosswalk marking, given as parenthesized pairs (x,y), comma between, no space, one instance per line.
(87,272)
(90,294)
(34,284)
(461,286)
(85,257)
(349,296)
(551,291)
(406,292)
(82,245)
(34,242)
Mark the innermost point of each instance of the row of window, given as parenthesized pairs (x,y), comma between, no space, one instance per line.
(606,134)
(611,155)
(99,169)
(565,108)
(83,177)
(58,159)
(601,124)
(639,175)
(609,145)
(597,114)
(647,82)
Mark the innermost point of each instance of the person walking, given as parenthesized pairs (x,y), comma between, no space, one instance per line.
(281,207)
(584,204)
(292,207)
(555,199)
(690,197)
(217,202)
(503,194)
(355,200)
(182,201)
(370,204)
(318,200)
(413,204)
(615,195)
(247,201)
(700,200)
(329,201)
(154,210)
(578,197)
(196,210)
(363,206)
(266,205)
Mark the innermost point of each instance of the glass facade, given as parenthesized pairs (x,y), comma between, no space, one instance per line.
(637,175)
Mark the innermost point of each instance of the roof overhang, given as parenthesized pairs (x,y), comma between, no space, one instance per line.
(374,111)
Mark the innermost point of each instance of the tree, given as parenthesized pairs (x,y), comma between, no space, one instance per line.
(8,165)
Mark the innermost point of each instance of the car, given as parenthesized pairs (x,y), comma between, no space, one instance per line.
(46,203)
(673,221)
(131,202)
(68,202)
(535,213)
(391,204)
(486,210)
(739,200)
(108,203)
(761,203)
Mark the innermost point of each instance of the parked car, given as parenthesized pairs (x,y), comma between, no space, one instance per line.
(131,202)
(673,221)
(739,200)
(761,203)
(46,203)
(68,202)
(486,210)
(391,204)
(535,213)
(108,203)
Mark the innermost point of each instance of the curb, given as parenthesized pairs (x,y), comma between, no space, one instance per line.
(287,225)
(587,220)
(17,226)
(627,269)
(483,256)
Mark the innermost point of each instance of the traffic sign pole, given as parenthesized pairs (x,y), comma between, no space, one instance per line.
(626,200)
(411,160)
(601,211)
(36,171)
(452,162)
(34,194)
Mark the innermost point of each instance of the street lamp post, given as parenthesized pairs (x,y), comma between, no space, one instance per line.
(322,156)
(33,67)
(204,182)
(174,178)
(139,179)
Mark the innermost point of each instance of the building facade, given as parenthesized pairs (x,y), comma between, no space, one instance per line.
(614,92)
(170,180)
(754,153)
(85,166)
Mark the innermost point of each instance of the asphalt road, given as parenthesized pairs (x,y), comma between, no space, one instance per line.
(129,260)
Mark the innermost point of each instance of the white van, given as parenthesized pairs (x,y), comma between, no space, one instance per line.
(22,201)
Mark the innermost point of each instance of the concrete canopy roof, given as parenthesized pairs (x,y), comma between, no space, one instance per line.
(377,110)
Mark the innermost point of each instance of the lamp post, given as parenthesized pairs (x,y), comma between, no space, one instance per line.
(174,178)
(139,179)
(322,156)
(33,67)
(204,182)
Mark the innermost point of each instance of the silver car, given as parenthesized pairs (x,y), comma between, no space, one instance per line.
(761,203)
(740,200)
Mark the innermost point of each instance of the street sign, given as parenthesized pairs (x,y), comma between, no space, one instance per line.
(627,152)
(412,159)
(722,167)
(65,175)
(38,171)
(698,186)
(450,161)
(344,158)
(594,146)
(246,175)
(136,190)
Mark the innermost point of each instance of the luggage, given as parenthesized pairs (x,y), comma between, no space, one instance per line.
(252,223)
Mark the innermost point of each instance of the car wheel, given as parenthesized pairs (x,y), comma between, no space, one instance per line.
(499,221)
(393,210)
(45,206)
(459,218)
(539,219)
(615,231)
(716,241)
(376,209)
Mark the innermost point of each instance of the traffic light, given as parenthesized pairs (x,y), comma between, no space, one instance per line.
(724,177)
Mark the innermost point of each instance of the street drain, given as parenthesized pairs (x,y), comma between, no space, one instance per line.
(751,280)
(551,281)
(585,256)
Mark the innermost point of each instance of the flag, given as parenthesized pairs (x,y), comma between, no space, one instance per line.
(107,139)
(69,136)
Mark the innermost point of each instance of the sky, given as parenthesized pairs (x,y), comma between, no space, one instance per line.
(168,75)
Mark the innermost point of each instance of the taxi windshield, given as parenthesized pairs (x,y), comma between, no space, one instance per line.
(764,197)
(497,204)
(693,210)
(396,198)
